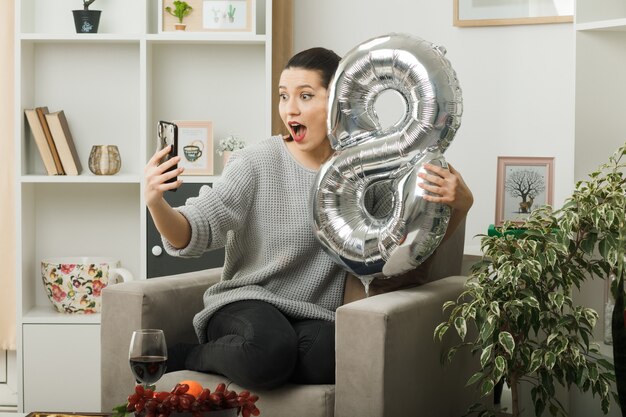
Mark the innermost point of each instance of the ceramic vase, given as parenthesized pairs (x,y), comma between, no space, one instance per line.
(105,160)
(225,156)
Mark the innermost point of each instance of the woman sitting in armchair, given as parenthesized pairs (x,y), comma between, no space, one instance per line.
(271,318)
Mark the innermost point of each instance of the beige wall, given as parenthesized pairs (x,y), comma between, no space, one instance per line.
(7,169)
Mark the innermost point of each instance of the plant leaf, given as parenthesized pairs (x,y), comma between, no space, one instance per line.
(500,367)
(487,329)
(440,330)
(475,378)
(486,355)
(535,361)
(506,341)
(447,305)
(486,387)
(461,327)
(549,360)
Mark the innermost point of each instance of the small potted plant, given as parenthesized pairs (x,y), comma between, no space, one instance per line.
(85,20)
(226,146)
(180,11)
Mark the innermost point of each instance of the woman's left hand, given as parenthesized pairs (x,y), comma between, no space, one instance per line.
(448,187)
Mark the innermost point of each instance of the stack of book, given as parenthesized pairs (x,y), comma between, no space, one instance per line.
(54,141)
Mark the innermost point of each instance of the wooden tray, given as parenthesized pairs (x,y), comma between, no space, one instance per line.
(66,414)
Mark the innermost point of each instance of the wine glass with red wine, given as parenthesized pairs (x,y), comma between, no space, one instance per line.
(148,355)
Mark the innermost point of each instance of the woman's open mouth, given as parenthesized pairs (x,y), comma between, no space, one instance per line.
(298,131)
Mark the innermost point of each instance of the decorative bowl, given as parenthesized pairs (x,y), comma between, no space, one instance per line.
(74,285)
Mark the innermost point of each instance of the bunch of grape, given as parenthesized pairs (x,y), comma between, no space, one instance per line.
(148,403)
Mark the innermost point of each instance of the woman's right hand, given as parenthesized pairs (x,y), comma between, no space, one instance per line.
(156,174)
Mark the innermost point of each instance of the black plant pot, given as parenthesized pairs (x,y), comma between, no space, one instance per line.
(86,21)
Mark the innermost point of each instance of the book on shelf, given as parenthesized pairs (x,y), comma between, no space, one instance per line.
(62,136)
(41,114)
(40,141)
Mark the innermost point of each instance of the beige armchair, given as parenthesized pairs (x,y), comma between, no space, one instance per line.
(387,361)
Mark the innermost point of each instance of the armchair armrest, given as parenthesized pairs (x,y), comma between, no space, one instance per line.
(387,361)
(167,303)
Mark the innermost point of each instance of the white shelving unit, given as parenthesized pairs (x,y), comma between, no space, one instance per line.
(113,86)
(600,91)
(600,108)
(600,111)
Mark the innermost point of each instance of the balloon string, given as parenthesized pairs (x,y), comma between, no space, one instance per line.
(366,283)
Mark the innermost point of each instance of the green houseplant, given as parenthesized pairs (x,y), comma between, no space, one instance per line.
(519,297)
(180,11)
(85,20)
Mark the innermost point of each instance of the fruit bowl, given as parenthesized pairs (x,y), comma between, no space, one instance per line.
(194,402)
(228,412)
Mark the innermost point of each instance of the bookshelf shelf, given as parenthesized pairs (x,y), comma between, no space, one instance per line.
(82,178)
(603,25)
(86,38)
(211,38)
(182,38)
(43,314)
(113,87)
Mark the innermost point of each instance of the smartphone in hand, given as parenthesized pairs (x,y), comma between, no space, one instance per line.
(167,135)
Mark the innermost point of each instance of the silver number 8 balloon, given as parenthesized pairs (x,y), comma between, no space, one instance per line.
(366,244)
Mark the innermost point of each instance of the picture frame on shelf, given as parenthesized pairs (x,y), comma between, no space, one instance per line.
(227,16)
(522,184)
(195,146)
(468,13)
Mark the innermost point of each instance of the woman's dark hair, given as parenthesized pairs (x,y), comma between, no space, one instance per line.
(321,60)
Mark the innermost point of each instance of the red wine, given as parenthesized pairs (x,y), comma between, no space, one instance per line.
(148,369)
